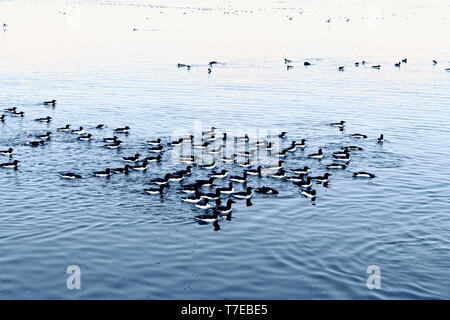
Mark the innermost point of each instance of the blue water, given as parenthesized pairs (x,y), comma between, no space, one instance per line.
(130,245)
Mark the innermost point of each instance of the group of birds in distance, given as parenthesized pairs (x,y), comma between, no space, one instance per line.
(224,186)
(289,64)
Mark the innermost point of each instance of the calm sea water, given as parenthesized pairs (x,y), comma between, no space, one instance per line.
(132,245)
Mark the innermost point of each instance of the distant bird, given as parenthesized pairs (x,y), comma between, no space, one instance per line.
(405,60)
(122,130)
(36,143)
(363,174)
(306,63)
(7,152)
(105,173)
(358,135)
(51,102)
(309,194)
(46,119)
(212,62)
(64,129)
(341,68)
(286,61)
(45,136)
(204,204)
(302,144)
(336,166)
(363,62)
(288,67)
(209,70)
(225,209)
(140,167)
(244,195)
(208,217)
(318,155)
(113,145)
(381,138)
(448,69)
(376,66)
(322,179)
(328,21)
(434,62)
(113,139)
(135,158)
(154,142)
(85,137)
(70,175)
(303,170)
(10,110)
(356,64)
(340,124)
(10,165)
(78,131)
(18,114)
(100,126)
(397,64)
(153,191)
(125,169)
(266,190)
(2,118)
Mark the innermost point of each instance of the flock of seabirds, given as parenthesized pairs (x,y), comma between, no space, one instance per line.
(219,203)
(289,64)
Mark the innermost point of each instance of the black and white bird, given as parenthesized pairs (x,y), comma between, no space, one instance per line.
(10,165)
(322,179)
(64,129)
(153,191)
(134,158)
(219,175)
(46,119)
(381,138)
(244,195)
(336,166)
(225,209)
(303,170)
(157,149)
(304,184)
(109,140)
(255,172)
(363,174)
(204,204)
(358,135)
(105,173)
(164,180)
(340,124)
(279,175)
(212,196)
(208,218)
(114,145)
(124,170)
(227,190)
(266,190)
(318,155)
(240,179)
(122,130)
(78,131)
(85,137)
(45,136)
(70,175)
(51,102)
(8,152)
(152,159)
(140,167)
(154,142)
(309,193)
